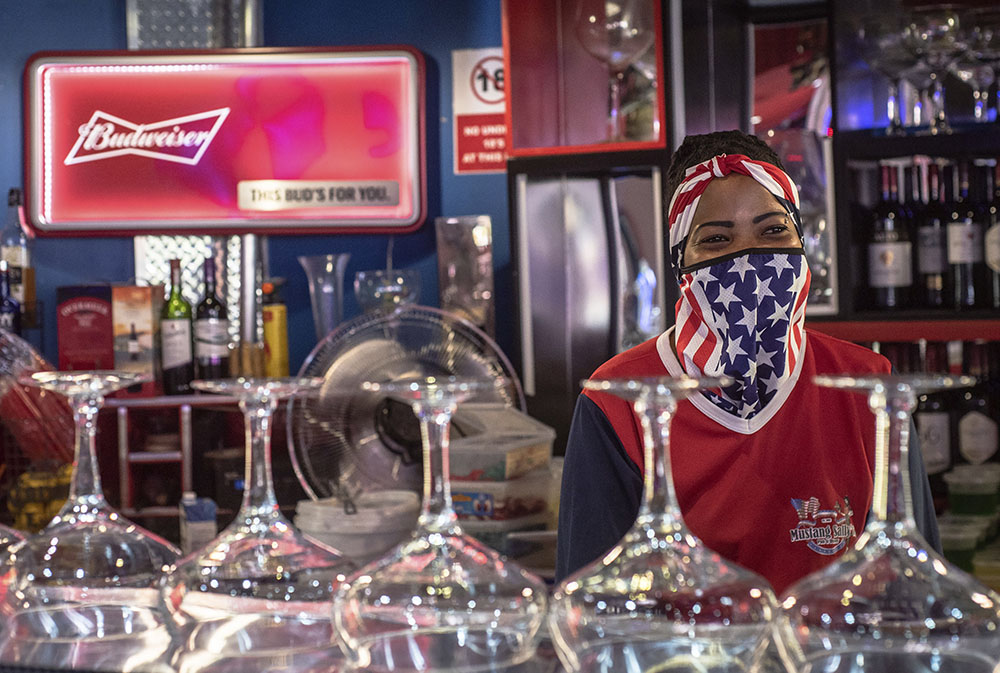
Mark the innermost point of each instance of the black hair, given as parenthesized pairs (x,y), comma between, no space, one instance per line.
(698,148)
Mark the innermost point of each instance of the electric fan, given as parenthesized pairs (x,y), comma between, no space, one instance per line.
(344,440)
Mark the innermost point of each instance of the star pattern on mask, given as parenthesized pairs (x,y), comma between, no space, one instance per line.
(751,300)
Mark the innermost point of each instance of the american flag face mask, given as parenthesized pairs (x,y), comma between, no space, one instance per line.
(742,314)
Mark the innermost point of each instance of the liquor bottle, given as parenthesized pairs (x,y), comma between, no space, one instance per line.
(932,260)
(890,263)
(965,245)
(275,318)
(933,419)
(175,337)
(991,239)
(133,343)
(978,440)
(10,308)
(211,331)
(14,249)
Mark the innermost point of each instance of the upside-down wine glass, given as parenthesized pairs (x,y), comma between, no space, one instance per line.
(660,599)
(257,597)
(615,32)
(934,36)
(440,601)
(882,40)
(892,604)
(82,593)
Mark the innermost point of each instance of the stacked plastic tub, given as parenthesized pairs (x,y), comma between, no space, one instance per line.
(502,481)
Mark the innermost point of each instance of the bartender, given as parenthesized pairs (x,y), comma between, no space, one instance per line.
(757,461)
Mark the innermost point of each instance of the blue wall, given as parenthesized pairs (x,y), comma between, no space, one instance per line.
(435,27)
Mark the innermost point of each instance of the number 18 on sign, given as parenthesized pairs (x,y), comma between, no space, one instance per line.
(478,107)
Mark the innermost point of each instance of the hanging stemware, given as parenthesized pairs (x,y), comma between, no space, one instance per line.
(934,37)
(441,601)
(82,593)
(257,597)
(660,599)
(615,32)
(891,603)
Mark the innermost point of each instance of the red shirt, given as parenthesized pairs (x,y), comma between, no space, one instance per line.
(782,499)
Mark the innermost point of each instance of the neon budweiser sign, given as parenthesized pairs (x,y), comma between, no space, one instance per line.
(181,139)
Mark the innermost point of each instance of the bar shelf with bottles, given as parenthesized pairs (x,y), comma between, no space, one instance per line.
(919,240)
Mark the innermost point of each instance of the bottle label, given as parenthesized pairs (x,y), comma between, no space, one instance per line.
(931,254)
(211,338)
(977,437)
(175,336)
(965,242)
(9,321)
(890,264)
(992,245)
(935,440)
(133,346)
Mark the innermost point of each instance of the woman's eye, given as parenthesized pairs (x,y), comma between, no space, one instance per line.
(712,238)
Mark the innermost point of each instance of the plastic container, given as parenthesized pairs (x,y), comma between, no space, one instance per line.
(382,520)
(958,542)
(496,533)
(492,442)
(501,500)
(973,491)
(986,567)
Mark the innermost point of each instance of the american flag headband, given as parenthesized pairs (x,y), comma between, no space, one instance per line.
(684,201)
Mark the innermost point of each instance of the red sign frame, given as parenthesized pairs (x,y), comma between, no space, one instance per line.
(268,141)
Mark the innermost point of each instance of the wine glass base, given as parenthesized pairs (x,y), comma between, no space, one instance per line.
(444,650)
(716,648)
(928,661)
(100,636)
(303,643)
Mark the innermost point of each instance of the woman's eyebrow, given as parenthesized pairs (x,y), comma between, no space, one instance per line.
(715,223)
(764,216)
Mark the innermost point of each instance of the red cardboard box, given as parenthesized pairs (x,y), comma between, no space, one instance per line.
(85,327)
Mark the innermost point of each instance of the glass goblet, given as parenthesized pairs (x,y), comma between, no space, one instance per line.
(882,41)
(257,597)
(386,289)
(615,32)
(8,536)
(441,601)
(660,599)
(891,603)
(935,38)
(82,593)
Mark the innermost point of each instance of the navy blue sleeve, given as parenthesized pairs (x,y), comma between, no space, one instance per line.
(920,493)
(601,489)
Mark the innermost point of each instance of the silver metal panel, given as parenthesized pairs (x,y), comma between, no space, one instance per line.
(564,252)
(186,24)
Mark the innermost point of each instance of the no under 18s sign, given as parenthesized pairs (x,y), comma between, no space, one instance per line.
(228,141)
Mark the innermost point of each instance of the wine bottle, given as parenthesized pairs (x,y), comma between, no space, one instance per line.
(965,245)
(932,260)
(933,419)
(10,308)
(15,250)
(211,331)
(133,343)
(175,337)
(978,439)
(991,240)
(890,263)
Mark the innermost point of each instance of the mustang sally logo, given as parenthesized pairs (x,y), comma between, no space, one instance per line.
(181,139)
(825,531)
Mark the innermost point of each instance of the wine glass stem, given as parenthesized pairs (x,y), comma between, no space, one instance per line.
(258,491)
(435,422)
(659,499)
(893,502)
(616,122)
(86,481)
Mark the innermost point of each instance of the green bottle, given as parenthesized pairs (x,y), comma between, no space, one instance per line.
(175,337)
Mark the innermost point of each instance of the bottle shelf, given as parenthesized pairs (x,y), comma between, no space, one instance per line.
(912,327)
